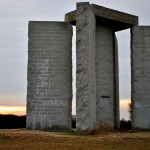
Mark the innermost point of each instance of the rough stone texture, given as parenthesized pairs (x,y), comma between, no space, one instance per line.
(140,71)
(105,77)
(49,94)
(116,84)
(86,75)
(118,20)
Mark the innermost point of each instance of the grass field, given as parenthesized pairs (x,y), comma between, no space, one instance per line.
(21,139)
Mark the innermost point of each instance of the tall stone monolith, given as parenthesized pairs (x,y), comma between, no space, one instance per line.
(49,93)
(86,70)
(106,78)
(140,77)
(116,84)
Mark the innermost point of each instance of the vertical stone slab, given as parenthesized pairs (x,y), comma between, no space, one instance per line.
(85,74)
(116,85)
(49,93)
(105,77)
(140,77)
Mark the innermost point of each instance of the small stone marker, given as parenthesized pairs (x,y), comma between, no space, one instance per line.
(140,77)
(49,94)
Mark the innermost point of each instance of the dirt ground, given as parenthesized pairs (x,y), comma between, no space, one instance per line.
(21,139)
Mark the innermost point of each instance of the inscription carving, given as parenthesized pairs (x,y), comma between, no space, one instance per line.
(49,72)
(140,77)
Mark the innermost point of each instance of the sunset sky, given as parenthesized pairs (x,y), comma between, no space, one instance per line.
(15,15)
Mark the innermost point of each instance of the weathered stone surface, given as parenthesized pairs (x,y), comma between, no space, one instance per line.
(116,85)
(105,77)
(118,20)
(71,17)
(49,93)
(86,74)
(140,72)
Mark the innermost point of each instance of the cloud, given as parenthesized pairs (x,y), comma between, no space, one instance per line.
(13,100)
(124,63)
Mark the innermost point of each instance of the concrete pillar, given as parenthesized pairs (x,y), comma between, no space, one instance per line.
(49,93)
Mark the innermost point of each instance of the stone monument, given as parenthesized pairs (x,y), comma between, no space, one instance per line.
(140,77)
(105,77)
(49,92)
(86,69)
(108,22)
(49,95)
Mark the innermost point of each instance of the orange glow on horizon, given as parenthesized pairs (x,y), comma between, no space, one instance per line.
(124,107)
(21,110)
(15,110)
(124,103)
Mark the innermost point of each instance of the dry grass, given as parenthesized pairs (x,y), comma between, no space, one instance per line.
(39,140)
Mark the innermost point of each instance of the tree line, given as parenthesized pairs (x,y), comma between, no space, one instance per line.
(14,121)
